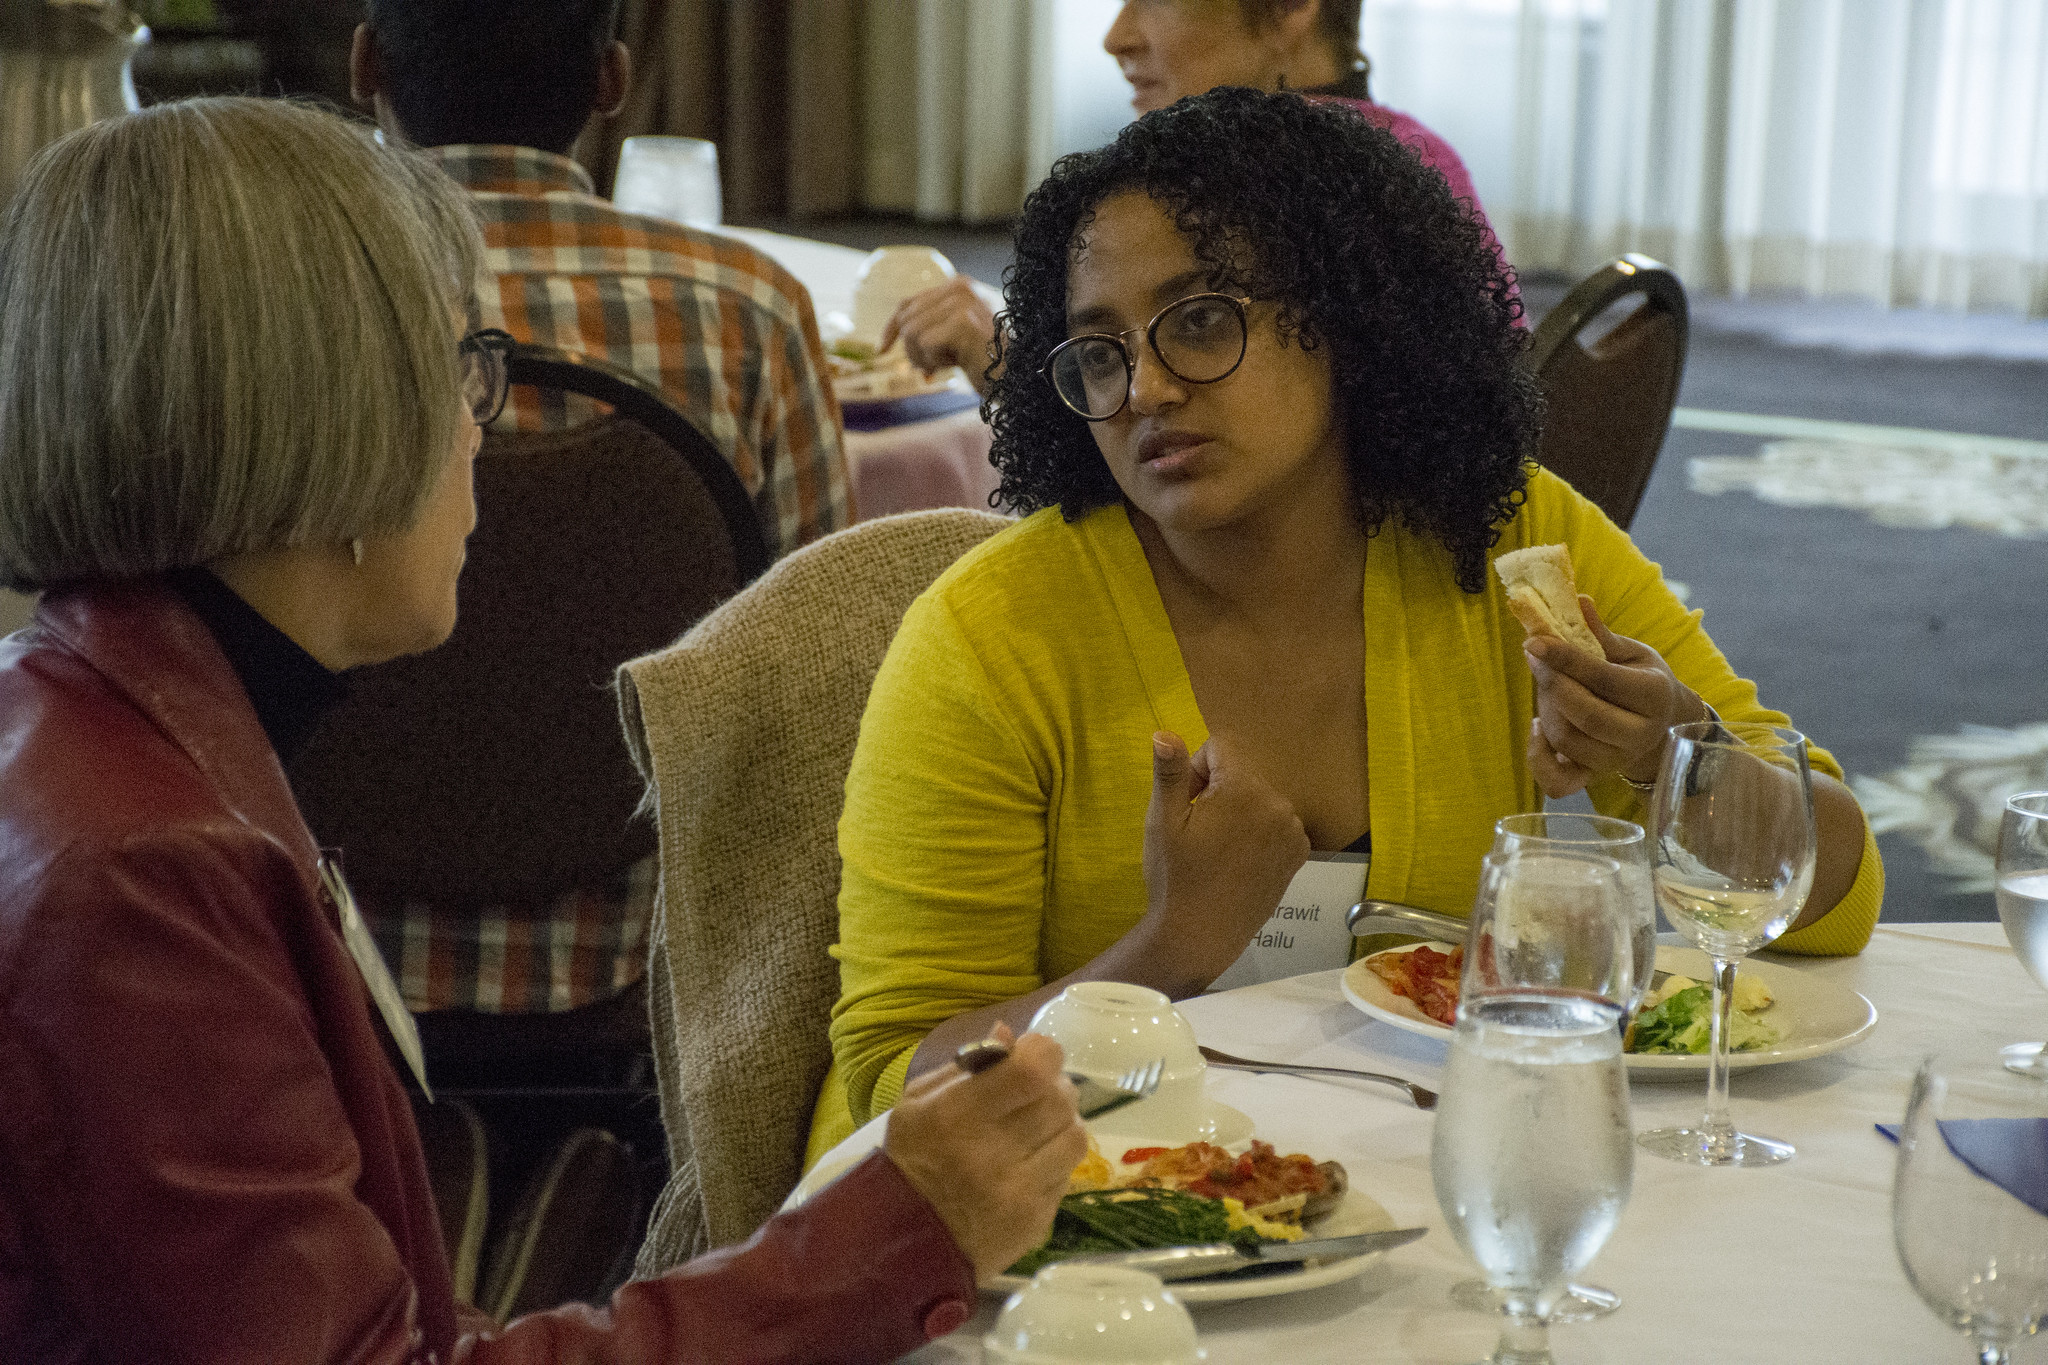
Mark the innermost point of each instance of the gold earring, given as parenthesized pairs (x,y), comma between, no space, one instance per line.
(355,548)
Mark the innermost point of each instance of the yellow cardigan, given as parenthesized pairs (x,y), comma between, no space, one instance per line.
(995,809)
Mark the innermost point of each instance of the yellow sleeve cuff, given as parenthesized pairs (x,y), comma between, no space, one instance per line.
(888,1087)
(1844,930)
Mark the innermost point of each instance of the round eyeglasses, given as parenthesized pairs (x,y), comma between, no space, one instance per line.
(485,377)
(1199,339)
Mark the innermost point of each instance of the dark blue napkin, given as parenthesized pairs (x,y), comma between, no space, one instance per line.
(878,414)
(2010,1153)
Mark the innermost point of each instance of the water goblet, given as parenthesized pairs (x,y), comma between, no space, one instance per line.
(1975,1252)
(1625,842)
(1608,837)
(1733,842)
(2023,905)
(1531,1158)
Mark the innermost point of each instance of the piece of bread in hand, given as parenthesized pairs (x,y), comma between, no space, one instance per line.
(1544,597)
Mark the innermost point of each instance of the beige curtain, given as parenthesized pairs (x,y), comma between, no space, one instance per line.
(1890,150)
(824,107)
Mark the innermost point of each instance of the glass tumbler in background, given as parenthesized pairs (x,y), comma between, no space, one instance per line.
(670,177)
(2023,905)
(1974,1252)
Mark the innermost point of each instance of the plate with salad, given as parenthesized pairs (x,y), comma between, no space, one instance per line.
(1781,1015)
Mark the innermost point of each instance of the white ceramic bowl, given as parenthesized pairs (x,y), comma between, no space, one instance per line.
(1109,1029)
(1093,1315)
(888,276)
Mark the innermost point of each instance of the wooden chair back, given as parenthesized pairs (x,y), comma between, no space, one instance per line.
(1611,390)
(490,771)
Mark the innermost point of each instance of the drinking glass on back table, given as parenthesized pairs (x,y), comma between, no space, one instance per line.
(1976,1253)
(1624,841)
(1532,1158)
(2023,905)
(1732,831)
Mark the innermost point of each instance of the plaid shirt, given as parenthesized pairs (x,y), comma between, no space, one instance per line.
(726,332)
(730,336)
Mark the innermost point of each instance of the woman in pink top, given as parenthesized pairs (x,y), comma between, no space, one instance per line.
(1168,49)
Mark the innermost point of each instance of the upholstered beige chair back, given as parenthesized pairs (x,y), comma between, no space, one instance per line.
(744,731)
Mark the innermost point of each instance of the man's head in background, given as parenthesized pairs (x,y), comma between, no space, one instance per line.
(1172,48)
(525,73)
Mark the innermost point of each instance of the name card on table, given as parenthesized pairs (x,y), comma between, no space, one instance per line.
(1306,933)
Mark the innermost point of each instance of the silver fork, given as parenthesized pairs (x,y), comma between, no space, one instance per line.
(1424,1098)
(1094,1097)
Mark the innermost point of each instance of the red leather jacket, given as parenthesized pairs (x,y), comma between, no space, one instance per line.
(205,1154)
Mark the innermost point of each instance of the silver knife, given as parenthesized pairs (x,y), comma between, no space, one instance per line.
(1195,1262)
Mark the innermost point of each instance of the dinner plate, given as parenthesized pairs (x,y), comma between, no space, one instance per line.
(1230,1128)
(1814,1017)
(1225,1126)
(1358,1212)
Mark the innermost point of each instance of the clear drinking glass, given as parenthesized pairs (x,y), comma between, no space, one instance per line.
(1608,837)
(1532,1159)
(1976,1254)
(1555,921)
(1732,831)
(1624,841)
(2023,904)
(670,177)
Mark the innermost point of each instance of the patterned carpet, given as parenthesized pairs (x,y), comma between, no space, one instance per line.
(1888,589)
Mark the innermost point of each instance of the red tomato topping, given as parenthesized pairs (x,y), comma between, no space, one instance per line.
(1427,977)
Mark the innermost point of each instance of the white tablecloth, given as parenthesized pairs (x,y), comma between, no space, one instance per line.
(1792,1263)
(938,463)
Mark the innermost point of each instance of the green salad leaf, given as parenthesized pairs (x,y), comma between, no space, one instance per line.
(1681,1024)
(1133,1220)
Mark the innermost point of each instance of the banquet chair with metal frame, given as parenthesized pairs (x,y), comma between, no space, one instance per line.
(488,776)
(744,731)
(1611,388)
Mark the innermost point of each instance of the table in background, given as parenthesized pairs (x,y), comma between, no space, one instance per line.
(942,462)
(1792,1263)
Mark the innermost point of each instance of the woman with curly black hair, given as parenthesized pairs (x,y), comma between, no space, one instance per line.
(1263,399)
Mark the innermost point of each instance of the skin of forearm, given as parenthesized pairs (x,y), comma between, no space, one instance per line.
(1839,823)
(1137,958)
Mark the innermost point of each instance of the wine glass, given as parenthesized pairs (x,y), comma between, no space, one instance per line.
(1732,860)
(1625,842)
(1976,1254)
(1531,1157)
(2023,904)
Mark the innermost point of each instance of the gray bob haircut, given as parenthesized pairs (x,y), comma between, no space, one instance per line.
(226,325)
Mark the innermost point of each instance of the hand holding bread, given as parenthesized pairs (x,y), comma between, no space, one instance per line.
(1604,703)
